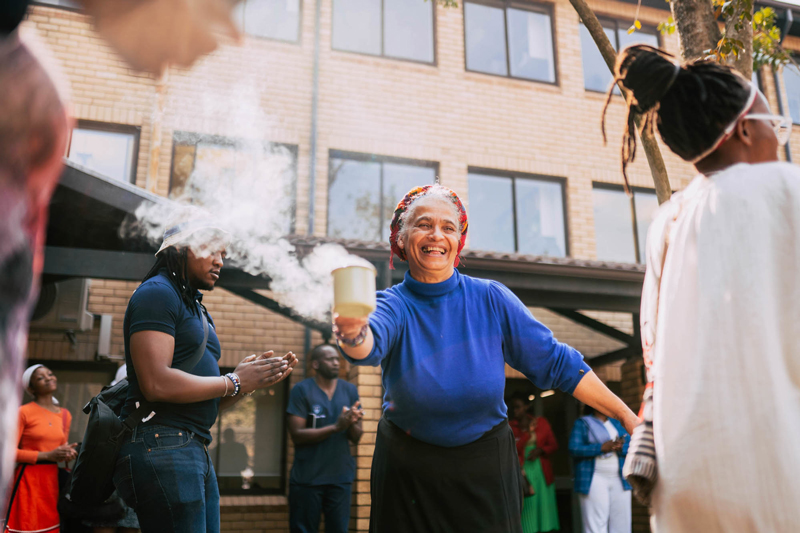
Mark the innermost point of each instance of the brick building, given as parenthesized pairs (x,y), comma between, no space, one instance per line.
(501,100)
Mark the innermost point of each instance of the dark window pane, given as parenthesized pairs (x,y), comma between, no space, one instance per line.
(530,44)
(646,207)
(354,200)
(540,218)
(408,29)
(791,78)
(357,26)
(485,39)
(109,153)
(613,226)
(397,181)
(491,216)
(246,449)
(275,19)
(596,76)
(61,3)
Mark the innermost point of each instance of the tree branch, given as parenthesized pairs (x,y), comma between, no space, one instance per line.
(649,143)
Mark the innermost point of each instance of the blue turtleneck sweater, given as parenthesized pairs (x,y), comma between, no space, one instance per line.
(442,348)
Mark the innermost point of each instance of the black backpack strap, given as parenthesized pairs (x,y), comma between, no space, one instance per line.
(190,363)
(14,492)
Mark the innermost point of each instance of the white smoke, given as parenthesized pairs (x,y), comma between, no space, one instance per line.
(248,186)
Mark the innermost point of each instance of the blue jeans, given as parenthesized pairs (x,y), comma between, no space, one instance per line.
(307,502)
(165,474)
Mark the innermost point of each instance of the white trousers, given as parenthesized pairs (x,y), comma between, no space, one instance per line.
(607,507)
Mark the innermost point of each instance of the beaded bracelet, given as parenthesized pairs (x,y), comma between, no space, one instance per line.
(350,343)
(237,383)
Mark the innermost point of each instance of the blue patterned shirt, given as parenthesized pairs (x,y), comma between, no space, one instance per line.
(583,453)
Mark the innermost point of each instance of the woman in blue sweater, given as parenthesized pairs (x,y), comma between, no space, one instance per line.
(445,458)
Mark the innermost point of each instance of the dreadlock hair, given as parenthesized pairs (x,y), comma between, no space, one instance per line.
(177,264)
(692,104)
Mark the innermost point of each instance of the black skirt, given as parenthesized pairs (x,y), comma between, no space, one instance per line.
(421,488)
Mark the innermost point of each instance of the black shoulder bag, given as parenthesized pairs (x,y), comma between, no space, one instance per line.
(92,477)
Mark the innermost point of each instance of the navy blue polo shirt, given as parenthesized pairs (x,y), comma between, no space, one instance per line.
(328,462)
(157,306)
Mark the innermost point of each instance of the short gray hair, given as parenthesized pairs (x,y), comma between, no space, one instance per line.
(435,193)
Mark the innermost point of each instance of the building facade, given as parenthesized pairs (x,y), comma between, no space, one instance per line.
(498,100)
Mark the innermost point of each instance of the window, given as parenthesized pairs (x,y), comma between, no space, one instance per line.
(236,163)
(273,19)
(248,447)
(596,76)
(615,232)
(791,79)
(512,213)
(363,191)
(108,149)
(508,41)
(401,29)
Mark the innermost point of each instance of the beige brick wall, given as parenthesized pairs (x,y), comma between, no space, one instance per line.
(367,104)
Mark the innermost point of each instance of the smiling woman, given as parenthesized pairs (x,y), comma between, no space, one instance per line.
(442,340)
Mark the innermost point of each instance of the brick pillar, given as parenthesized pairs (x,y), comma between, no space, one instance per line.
(368,381)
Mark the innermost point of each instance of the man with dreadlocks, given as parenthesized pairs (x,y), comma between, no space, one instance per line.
(717,451)
(164,472)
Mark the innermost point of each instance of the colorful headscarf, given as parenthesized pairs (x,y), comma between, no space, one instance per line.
(412,196)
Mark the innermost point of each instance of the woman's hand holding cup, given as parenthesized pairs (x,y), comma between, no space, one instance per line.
(349,328)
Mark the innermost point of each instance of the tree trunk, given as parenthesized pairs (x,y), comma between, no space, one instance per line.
(697,28)
(649,143)
(744,62)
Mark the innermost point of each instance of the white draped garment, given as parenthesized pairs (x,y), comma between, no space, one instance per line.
(726,366)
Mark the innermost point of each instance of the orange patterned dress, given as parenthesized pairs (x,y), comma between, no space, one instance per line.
(34,507)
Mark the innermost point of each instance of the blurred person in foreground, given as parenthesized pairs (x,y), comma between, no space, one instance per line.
(164,472)
(598,445)
(33,138)
(717,451)
(324,416)
(445,457)
(43,431)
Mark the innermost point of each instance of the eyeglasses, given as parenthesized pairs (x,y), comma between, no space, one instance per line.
(780,124)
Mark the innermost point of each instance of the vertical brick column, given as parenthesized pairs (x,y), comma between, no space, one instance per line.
(368,381)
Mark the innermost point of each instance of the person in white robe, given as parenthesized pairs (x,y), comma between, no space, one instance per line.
(717,450)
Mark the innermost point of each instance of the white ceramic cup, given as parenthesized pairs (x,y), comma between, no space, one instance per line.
(354,291)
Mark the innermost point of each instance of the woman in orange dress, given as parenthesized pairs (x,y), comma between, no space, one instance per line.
(43,432)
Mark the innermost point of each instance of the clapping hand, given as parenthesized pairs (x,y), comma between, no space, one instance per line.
(349,416)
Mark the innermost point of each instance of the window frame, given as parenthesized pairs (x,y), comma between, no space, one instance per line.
(283,485)
(545,8)
(222,140)
(795,54)
(299,40)
(110,127)
(371,158)
(634,221)
(514,176)
(605,22)
(382,55)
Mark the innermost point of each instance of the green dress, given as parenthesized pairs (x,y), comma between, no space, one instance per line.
(539,512)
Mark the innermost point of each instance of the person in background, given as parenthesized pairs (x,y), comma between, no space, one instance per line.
(43,431)
(598,445)
(445,458)
(540,510)
(164,471)
(324,415)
